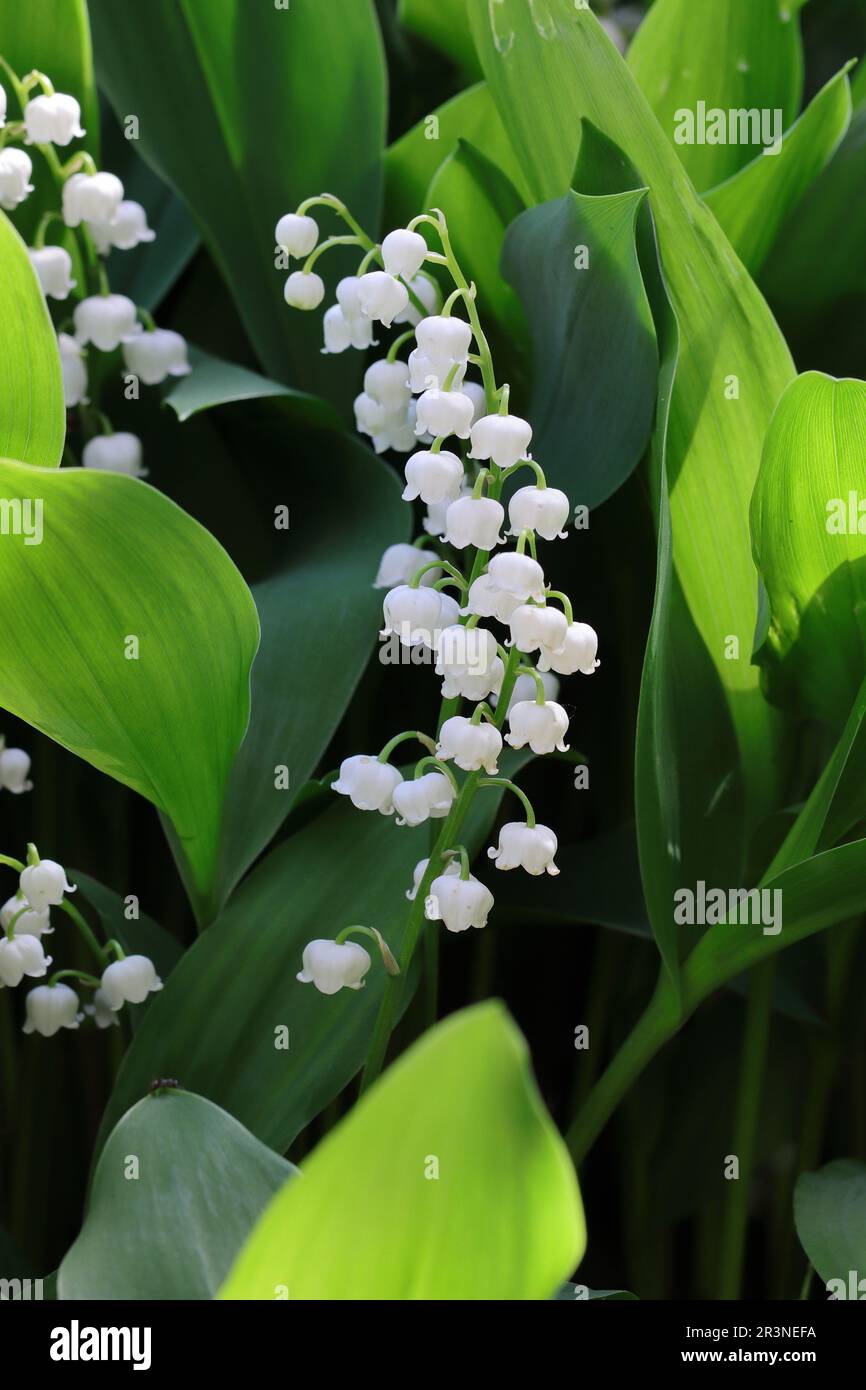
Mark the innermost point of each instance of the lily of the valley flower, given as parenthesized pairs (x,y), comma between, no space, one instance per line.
(388,383)
(105,320)
(15,170)
(425,374)
(403,252)
(535,626)
(544,510)
(44,884)
(487,600)
(20,956)
(400,563)
(472,746)
(434,477)
(126,229)
(502,438)
(304,289)
(474,521)
(452,868)
(29,922)
(442,413)
(525,688)
(368,783)
(417,616)
(296,234)
(114,453)
(444,342)
(49,1008)
(519,575)
(155,355)
(382,297)
(73,369)
(543,727)
(52,120)
(129,981)
(529,847)
(53,266)
(458,902)
(428,797)
(427,291)
(470,685)
(578,653)
(465,651)
(91,198)
(14,767)
(99,1009)
(332,965)
(342,333)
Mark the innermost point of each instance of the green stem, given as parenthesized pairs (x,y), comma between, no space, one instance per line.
(86,932)
(510,786)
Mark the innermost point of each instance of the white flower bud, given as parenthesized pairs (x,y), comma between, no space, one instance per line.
(428,797)
(401,562)
(474,687)
(54,120)
(426,289)
(381,296)
(452,868)
(129,981)
(21,956)
(53,266)
(15,170)
(91,198)
(332,966)
(474,521)
(522,846)
(304,290)
(444,412)
(489,601)
(502,438)
(155,355)
(296,234)
(368,783)
(458,903)
(49,1008)
(403,252)
(525,688)
(543,727)
(388,383)
(472,746)
(541,509)
(73,369)
(14,767)
(44,884)
(105,320)
(427,375)
(114,453)
(519,575)
(444,341)
(434,477)
(30,923)
(577,654)
(534,627)
(126,229)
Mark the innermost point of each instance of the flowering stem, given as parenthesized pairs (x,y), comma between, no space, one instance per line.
(404,738)
(80,975)
(398,343)
(566,603)
(86,932)
(438,564)
(510,786)
(329,200)
(433,761)
(540,692)
(12,863)
(388,960)
(10,930)
(526,463)
(463,853)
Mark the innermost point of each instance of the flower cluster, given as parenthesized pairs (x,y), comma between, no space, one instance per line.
(25,919)
(93,218)
(512,681)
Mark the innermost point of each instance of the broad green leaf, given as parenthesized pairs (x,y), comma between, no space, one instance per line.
(214,382)
(136,934)
(444,25)
(549,68)
(752,205)
(498,1217)
(234,116)
(733,55)
(177,1189)
(574,264)
(599,882)
(33,414)
(138,666)
(810,548)
(830,1216)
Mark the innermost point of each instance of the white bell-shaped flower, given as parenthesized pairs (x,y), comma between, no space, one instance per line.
(127,229)
(53,266)
(427,375)
(434,521)
(434,477)
(534,627)
(465,651)
(474,521)
(105,320)
(368,783)
(578,652)
(519,575)
(388,383)
(472,746)
(334,965)
(544,510)
(129,981)
(543,727)
(428,797)
(382,297)
(525,688)
(91,198)
(442,413)
(403,252)
(52,120)
(20,956)
(304,290)
(15,170)
(477,395)
(155,355)
(458,903)
(397,430)
(489,601)
(14,769)
(401,562)
(522,846)
(370,415)
(101,1012)
(296,234)
(502,438)
(451,870)
(444,340)
(470,686)
(30,922)
(337,330)
(44,884)
(413,614)
(114,453)
(73,369)
(424,288)
(48,1008)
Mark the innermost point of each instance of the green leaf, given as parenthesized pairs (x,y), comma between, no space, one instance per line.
(168,721)
(33,418)
(830,1216)
(444,25)
(214,382)
(579,373)
(139,934)
(171,1227)
(499,1217)
(550,67)
(234,117)
(752,205)
(809,546)
(730,55)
